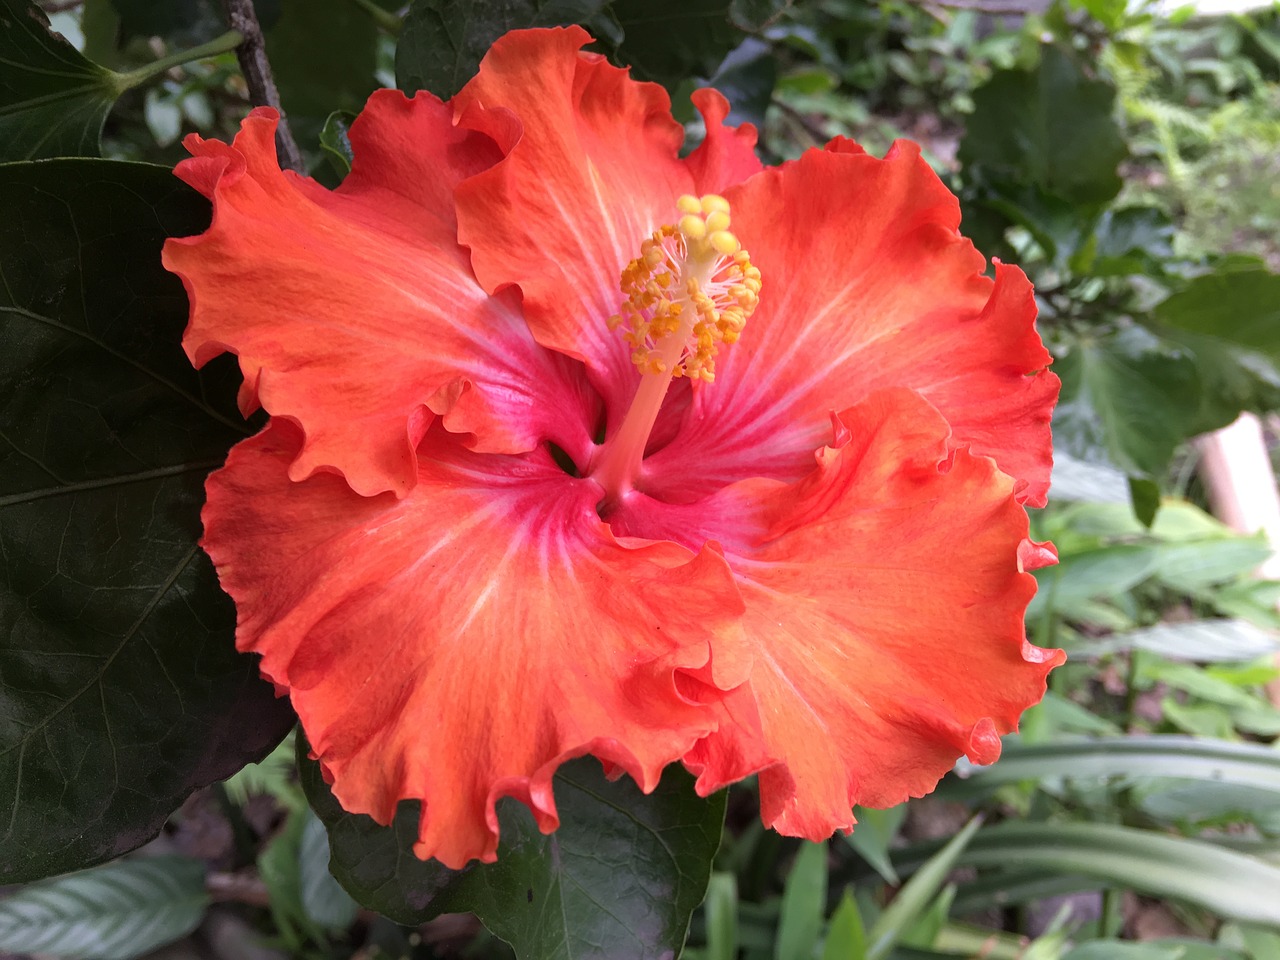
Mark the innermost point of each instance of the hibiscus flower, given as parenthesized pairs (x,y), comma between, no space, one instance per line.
(578,446)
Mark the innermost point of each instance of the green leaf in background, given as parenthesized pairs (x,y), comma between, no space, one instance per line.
(181,22)
(1126,401)
(917,894)
(746,77)
(442,41)
(721,908)
(114,912)
(1132,240)
(323,54)
(1104,572)
(846,938)
(1114,950)
(323,899)
(669,40)
(620,878)
(1203,641)
(1051,126)
(1229,321)
(335,141)
(53,101)
(1216,761)
(1144,496)
(1240,306)
(1076,479)
(873,836)
(121,690)
(804,903)
(305,899)
(1233,885)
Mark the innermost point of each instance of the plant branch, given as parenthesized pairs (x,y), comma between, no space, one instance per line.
(60,6)
(252,54)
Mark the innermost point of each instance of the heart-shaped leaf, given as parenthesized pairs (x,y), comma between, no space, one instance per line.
(53,101)
(120,687)
(1052,127)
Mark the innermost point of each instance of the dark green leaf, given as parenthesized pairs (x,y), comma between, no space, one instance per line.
(756,14)
(335,141)
(111,913)
(1051,127)
(620,878)
(747,78)
(1229,321)
(323,54)
(1132,240)
(53,101)
(1126,400)
(442,41)
(183,23)
(1241,307)
(669,40)
(1144,495)
(122,691)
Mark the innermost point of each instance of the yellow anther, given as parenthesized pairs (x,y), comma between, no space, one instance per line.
(695,228)
(723,241)
(714,203)
(689,204)
(716,221)
(690,291)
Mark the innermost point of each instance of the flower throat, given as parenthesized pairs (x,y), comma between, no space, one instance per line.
(691,289)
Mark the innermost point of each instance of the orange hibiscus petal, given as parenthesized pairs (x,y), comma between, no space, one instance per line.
(727,155)
(885,595)
(867,285)
(458,644)
(354,312)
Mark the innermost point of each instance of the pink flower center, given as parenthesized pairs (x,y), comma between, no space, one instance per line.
(691,289)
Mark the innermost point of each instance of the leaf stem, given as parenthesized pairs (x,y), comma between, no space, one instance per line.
(223,44)
(385,19)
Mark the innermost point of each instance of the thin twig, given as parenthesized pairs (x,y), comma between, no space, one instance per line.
(252,54)
(60,6)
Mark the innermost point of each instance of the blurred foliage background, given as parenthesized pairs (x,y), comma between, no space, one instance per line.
(1129,160)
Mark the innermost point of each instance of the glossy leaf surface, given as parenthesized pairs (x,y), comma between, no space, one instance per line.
(53,101)
(120,688)
(620,878)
